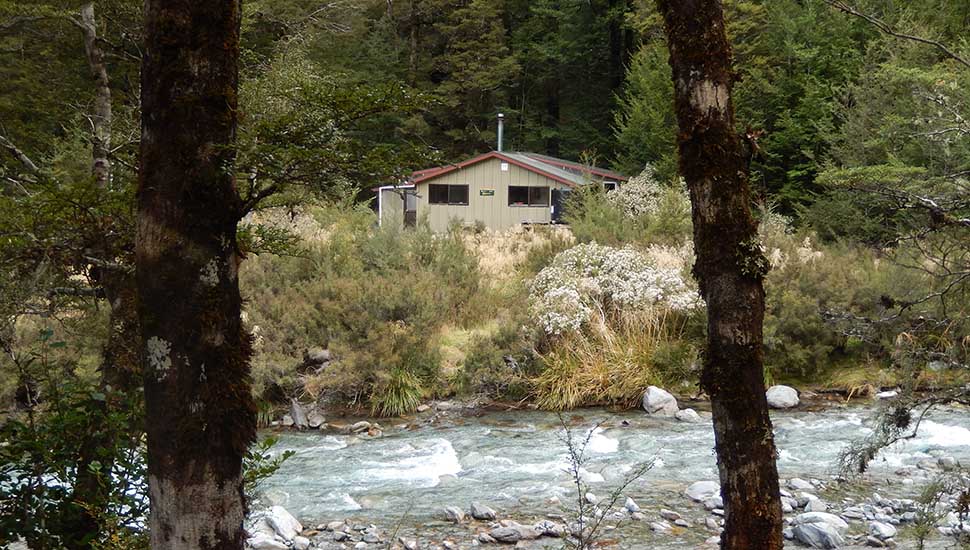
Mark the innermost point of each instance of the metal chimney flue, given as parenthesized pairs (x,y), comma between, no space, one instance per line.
(501,130)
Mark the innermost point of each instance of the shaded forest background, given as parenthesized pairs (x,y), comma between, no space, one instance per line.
(412,83)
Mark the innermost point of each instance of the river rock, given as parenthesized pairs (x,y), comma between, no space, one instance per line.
(660,402)
(592,499)
(713,502)
(359,427)
(301,543)
(262,541)
(782,397)
(316,356)
(514,532)
(699,491)
(815,505)
(669,515)
(881,530)
(892,394)
(631,505)
(818,535)
(283,522)
(454,514)
(482,512)
(661,527)
(687,415)
(423,407)
(822,517)
(800,484)
(548,528)
(298,415)
(315,420)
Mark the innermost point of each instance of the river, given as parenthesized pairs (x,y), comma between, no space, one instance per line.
(516,462)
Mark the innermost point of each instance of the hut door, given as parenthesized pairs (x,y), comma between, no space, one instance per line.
(559,197)
(410,209)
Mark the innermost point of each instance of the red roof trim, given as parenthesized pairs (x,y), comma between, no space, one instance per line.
(430,173)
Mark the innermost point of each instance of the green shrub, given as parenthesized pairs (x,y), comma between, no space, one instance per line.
(376,297)
(641,211)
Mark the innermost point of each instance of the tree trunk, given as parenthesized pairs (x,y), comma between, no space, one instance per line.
(119,364)
(101,118)
(730,268)
(200,415)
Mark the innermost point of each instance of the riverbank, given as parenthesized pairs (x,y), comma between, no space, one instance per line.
(403,479)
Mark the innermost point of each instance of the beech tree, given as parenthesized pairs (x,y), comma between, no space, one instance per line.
(200,417)
(730,268)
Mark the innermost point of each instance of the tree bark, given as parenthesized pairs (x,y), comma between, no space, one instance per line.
(101,117)
(200,413)
(730,268)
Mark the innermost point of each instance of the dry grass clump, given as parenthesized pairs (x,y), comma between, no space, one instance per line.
(503,254)
(615,361)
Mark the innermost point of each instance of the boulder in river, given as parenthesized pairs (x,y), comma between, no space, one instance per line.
(659,402)
(283,522)
(782,397)
(314,419)
(818,535)
(822,517)
(881,530)
(699,491)
(687,415)
(298,415)
(631,505)
(454,514)
(482,512)
(262,541)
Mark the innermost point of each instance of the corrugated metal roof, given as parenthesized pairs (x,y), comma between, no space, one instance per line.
(567,172)
(540,166)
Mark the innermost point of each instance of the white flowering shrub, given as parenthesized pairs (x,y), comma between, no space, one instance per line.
(592,278)
(639,196)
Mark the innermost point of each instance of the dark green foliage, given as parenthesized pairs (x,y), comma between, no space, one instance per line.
(40,447)
(260,463)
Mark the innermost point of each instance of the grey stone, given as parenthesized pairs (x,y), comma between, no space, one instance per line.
(669,515)
(688,415)
(816,505)
(822,517)
(285,525)
(631,505)
(482,512)
(454,514)
(800,484)
(659,402)
(818,535)
(881,530)
(301,543)
(700,491)
(782,397)
(359,427)
(314,419)
(547,528)
(262,541)
(298,415)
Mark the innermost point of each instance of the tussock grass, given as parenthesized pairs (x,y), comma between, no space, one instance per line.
(614,362)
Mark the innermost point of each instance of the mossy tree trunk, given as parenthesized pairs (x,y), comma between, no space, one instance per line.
(730,268)
(200,413)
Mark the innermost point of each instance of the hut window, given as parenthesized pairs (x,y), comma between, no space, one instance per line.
(448,194)
(528,196)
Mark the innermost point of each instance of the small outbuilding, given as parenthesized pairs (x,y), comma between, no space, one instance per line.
(497,190)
